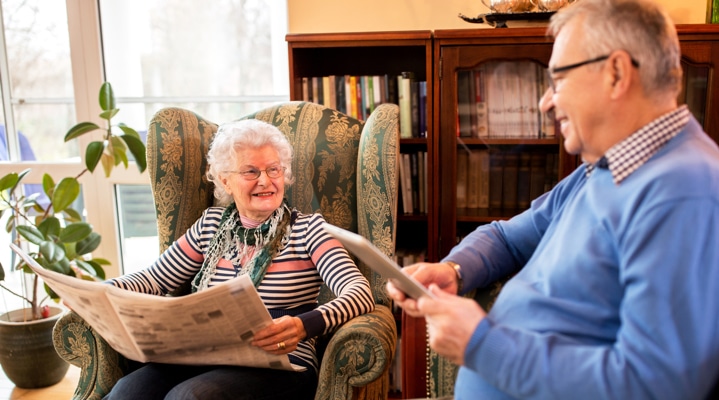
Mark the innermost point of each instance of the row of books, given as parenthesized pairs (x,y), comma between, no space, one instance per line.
(358,96)
(413,182)
(503,179)
(501,100)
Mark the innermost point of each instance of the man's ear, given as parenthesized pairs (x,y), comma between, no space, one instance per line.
(621,72)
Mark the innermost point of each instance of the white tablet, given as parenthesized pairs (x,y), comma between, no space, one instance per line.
(378,261)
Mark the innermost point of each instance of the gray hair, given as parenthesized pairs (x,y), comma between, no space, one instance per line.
(642,28)
(244,134)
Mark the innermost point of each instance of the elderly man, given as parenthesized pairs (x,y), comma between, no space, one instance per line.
(616,292)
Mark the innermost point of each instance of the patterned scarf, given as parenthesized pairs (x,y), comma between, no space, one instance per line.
(237,243)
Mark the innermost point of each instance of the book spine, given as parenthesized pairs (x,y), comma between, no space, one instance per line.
(473,179)
(423,109)
(462,173)
(509,186)
(414,105)
(523,180)
(340,94)
(484,177)
(464,127)
(306,88)
(480,103)
(405,107)
(495,179)
(315,90)
(330,92)
(353,97)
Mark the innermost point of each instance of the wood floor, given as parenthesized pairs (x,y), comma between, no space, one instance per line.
(60,391)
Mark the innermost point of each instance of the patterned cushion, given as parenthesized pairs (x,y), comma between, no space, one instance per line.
(343,168)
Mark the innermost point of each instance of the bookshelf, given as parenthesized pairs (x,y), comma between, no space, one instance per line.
(444,58)
(461,52)
(386,54)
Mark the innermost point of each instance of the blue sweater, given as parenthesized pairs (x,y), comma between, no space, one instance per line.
(619,293)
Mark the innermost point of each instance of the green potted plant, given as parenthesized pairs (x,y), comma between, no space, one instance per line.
(56,236)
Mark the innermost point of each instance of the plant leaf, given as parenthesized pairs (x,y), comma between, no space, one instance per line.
(48,184)
(52,252)
(9,225)
(107,97)
(69,250)
(101,261)
(119,151)
(93,154)
(91,268)
(108,162)
(72,215)
(89,244)
(19,179)
(80,129)
(8,181)
(99,271)
(50,292)
(49,226)
(75,232)
(30,233)
(137,148)
(65,193)
(62,266)
(109,113)
(128,131)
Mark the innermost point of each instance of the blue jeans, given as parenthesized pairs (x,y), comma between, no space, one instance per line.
(186,382)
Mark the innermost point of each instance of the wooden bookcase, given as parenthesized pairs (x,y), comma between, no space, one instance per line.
(438,57)
(379,53)
(461,50)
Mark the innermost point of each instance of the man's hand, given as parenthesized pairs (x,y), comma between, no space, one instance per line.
(440,274)
(451,321)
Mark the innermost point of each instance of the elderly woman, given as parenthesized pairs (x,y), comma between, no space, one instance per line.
(286,254)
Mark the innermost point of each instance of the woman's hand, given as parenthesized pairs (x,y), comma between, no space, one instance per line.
(282,336)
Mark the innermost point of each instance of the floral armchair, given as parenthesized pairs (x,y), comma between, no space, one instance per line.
(344,168)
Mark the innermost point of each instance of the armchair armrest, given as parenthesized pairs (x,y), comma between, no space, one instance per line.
(80,345)
(357,356)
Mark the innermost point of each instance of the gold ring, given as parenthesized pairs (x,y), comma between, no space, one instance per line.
(281,346)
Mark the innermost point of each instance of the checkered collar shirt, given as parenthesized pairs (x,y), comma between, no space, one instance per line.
(631,153)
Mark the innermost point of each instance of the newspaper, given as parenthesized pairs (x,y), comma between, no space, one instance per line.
(210,327)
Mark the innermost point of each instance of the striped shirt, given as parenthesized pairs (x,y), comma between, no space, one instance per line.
(292,282)
(631,153)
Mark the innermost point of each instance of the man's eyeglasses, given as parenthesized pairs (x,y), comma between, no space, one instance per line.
(553,71)
(252,174)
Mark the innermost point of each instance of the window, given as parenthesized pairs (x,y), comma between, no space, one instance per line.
(36,94)
(221,59)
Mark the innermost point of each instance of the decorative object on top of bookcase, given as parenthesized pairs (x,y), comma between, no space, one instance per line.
(499,20)
(509,6)
(551,5)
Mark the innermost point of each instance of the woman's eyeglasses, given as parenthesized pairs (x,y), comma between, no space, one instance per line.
(252,174)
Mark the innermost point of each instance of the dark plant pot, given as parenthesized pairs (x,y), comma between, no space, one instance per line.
(27,354)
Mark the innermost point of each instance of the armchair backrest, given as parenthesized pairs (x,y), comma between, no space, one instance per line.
(345,169)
